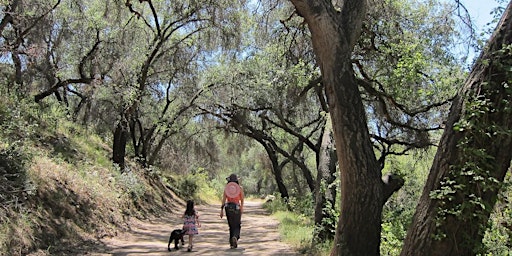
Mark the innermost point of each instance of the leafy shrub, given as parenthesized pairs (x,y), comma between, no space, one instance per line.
(498,236)
(198,186)
(132,184)
(328,223)
(188,187)
(13,177)
(302,204)
(277,203)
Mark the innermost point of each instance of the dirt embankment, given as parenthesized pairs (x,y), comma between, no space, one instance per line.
(259,235)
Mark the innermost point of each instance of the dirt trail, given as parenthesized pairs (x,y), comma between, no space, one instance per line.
(259,235)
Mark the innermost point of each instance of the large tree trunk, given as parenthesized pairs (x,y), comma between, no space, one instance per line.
(334,35)
(472,159)
(359,226)
(325,193)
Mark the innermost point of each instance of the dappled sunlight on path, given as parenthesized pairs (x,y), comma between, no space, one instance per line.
(259,235)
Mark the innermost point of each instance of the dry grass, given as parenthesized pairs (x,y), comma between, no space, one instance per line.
(72,200)
(63,193)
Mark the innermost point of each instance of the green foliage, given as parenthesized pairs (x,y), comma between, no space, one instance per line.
(332,219)
(456,195)
(296,222)
(497,240)
(251,66)
(132,184)
(498,236)
(16,128)
(392,238)
(302,204)
(18,118)
(13,177)
(188,187)
(276,204)
(399,209)
(198,186)
(417,51)
(406,57)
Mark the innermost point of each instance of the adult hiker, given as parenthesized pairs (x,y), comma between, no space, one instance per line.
(233,204)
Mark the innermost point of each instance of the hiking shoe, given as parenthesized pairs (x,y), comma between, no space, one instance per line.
(234,242)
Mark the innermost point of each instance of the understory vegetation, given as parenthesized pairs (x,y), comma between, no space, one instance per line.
(297,229)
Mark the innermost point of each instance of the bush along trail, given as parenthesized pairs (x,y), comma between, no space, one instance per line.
(259,236)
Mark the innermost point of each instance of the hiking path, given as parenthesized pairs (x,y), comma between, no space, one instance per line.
(259,235)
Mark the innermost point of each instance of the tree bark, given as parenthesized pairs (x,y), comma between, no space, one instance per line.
(472,158)
(119,144)
(334,34)
(296,158)
(325,193)
(277,170)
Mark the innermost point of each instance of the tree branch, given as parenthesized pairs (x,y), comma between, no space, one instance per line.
(391,184)
(54,88)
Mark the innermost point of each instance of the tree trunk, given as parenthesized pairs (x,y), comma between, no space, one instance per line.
(334,34)
(359,225)
(325,193)
(119,147)
(298,159)
(276,170)
(472,159)
(296,181)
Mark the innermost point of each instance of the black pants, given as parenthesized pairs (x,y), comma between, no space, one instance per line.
(234,220)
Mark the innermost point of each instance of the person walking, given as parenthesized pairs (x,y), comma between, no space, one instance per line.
(191,223)
(233,204)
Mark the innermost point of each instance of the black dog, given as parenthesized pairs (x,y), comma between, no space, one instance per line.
(176,235)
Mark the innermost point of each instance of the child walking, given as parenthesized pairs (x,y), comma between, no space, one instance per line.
(191,223)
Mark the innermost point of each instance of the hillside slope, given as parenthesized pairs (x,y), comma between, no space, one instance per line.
(59,190)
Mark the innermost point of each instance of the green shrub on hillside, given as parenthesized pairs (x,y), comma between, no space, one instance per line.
(132,184)
(198,186)
(13,177)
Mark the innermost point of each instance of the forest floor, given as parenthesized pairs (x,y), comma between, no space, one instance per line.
(259,236)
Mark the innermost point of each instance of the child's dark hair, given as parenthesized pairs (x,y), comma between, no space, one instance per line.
(190,208)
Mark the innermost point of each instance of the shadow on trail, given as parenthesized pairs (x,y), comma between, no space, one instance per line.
(259,235)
